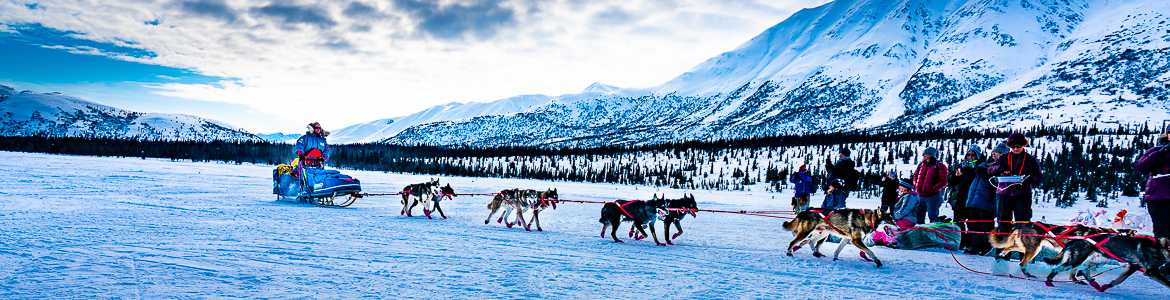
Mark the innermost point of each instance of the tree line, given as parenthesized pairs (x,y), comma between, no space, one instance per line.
(1080,163)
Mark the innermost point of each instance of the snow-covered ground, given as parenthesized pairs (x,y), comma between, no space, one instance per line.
(89,227)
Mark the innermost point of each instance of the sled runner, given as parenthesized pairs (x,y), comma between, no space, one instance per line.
(318,186)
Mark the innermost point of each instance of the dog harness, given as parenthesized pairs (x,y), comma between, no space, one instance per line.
(821,211)
(1110,236)
(1048,230)
(623,208)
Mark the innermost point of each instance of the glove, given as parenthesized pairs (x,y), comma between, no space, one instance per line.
(1028,181)
(301,157)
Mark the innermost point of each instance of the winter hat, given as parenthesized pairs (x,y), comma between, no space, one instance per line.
(978,152)
(311,125)
(931,151)
(907,184)
(802,168)
(1002,148)
(892,174)
(1016,139)
(845,151)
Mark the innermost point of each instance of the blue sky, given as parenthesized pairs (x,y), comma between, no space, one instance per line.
(273,66)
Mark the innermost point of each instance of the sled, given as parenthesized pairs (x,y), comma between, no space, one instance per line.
(316,186)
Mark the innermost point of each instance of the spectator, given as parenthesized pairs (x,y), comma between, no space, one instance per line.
(841,174)
(889,186)
(929,180)
(1015,198)
(981,205)
(960,185)
(803,185)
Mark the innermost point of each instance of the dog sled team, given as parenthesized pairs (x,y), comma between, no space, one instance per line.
(992,207)
(991,197)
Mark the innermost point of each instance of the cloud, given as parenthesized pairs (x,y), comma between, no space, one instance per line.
(216,9)
(456,21)
(291,15)
(375,59)
(362,11)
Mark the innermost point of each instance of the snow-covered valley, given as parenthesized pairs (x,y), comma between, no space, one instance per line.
(99,227)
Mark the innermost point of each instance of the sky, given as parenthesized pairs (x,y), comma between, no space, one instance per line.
(273,66)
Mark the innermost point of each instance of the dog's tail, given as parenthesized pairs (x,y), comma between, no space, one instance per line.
(1058,258)
(790,225)
(999,238)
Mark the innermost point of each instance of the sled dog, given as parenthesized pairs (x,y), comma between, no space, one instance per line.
(1028,238)
(642,213)
(425,193)
(851,225)
(1135,252)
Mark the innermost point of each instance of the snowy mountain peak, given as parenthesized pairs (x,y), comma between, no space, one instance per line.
(6,90)
(882,65)
(30,113)
(598,87)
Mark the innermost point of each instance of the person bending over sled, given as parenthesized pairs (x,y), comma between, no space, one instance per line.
(312,149)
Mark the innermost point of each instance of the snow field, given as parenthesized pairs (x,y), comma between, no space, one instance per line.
(90,227)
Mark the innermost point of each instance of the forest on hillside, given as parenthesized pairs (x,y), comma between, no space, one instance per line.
(1080,164)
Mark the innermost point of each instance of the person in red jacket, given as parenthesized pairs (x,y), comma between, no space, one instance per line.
(930,178)
(1015,198)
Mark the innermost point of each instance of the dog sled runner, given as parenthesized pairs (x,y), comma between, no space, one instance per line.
(317,186)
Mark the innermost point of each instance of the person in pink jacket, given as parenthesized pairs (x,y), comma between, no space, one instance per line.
(930,178)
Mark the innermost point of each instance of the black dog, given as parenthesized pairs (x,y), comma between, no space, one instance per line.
(640,212)
(1136,252)
(674,216)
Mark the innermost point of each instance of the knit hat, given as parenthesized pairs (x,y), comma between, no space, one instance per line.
(978,152)
(1016,139)
(845,151)
(892,174)
(1002,148)
(907,184)
(802,168)
(931,151)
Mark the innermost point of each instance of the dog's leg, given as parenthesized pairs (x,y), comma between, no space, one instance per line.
(413,202)
(800,236)
(427,202)
(841,246)
(1026,258)
(604,226)
(679,227)
(534,219)
(820,240)
(489,218)
(507,213)
(666,232)
(404,201)
(520,219)
(613,231)
(654,235)
(865,250)
(440,210)
(1129,270)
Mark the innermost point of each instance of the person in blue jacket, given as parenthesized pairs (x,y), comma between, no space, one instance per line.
(312,149)
(803,186)
(981,204)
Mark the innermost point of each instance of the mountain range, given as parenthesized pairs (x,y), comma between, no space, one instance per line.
(28,113)
(875,65)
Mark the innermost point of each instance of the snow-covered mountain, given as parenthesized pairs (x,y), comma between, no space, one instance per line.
(382,129)
(29,113)
(881,65)
(280,137)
